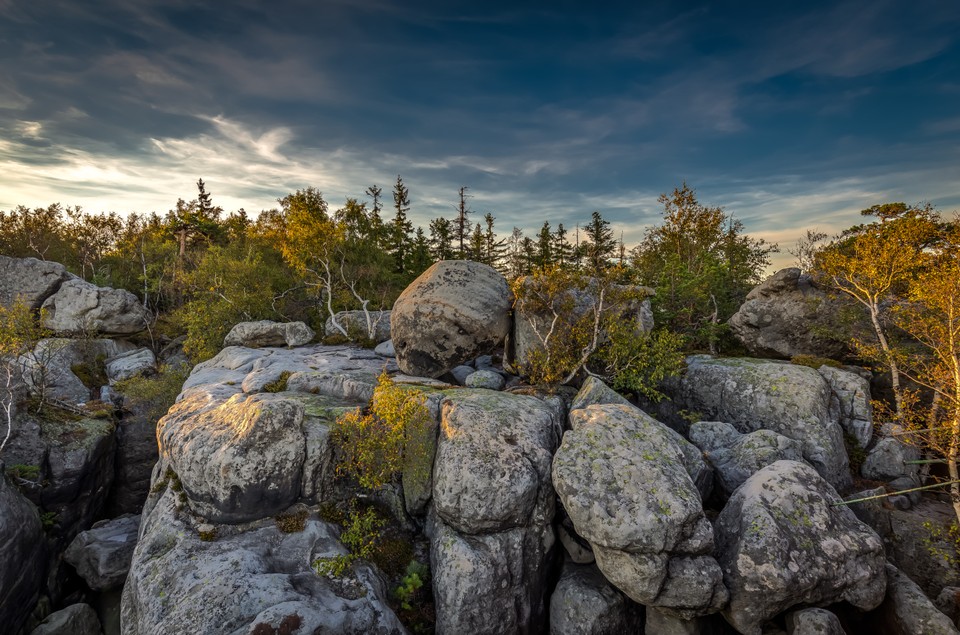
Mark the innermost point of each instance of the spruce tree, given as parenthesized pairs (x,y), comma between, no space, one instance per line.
(398,239)
(600,246)
(461,225)
(441,239)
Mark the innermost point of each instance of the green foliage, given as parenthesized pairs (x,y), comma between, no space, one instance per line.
(639,362)
(279,384)
(373,445)
(153,396)
(416,576)
(91,373)
(48,520)
(943,543)
(814,362)
(360,536)
(292,521)
(21,472)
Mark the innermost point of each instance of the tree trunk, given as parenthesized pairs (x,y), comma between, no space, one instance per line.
(952,453)
(894,369)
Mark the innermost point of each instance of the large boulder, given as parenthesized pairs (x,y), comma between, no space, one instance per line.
(31,280)
(788,315)
(79,306)
(455,311)
(813,622)
(76,619)
(784,540)
(22,554)
(130,364)
(850,401)
(269,333)
(60,366)
(373,325)
(585,603)
(623,479)
(907,609)
(753,394)
(890,459)
(491,533)
(101,554)
(189,577)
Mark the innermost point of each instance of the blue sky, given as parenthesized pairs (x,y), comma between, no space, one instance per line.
(790,115)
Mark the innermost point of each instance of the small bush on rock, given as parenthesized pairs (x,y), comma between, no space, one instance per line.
(360,536)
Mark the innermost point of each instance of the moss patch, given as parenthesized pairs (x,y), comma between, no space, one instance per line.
(279,384)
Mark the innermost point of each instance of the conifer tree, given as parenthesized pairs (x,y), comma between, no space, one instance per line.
(544,256)
(494,249)
(600,245)
(461,226)
(441,239)
(398,240)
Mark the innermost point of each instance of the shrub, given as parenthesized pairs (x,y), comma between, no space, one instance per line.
(639,363)
(417,574)
(153,396)
(360,536)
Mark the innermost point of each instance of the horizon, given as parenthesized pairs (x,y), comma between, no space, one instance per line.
(790,118)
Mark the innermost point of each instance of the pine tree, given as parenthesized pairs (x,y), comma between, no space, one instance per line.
(461,225)
(544,257)
(600,245)
(494,249)
(420,257)
(561,246)
(441,239)
(398,239)
(478,244)
(376,231)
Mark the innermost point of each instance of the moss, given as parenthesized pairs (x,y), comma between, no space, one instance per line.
(330,513)
(392,555)
(292,521)
(855,452)
(814,362)
(92,374)
(279,384)
(207,535)
(169,478)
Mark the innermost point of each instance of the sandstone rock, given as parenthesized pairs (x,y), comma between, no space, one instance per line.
(622,479)
(485,379)
(948,603)
(22,554)
(584,603)
(754,394)
(887,460)
(32,280)
(269,333)
(461,372)
(453,312)
(76,619)
(907,608)
(659,622)
(787,315)
(52,362)
(850,402)
(385,349)
(374,325)
(735,457)
(102,554)
(594,391)
(81,307)
(130,364)
(813,622)
(136,454)
(247,576)
(782,543)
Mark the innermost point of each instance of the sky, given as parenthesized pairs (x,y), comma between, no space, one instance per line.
(789,115)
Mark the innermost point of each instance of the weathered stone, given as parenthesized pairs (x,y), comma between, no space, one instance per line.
(948,603)
(850,403)
(755,394)
(52,362)
(461,372)
(594,391)
(101,555)
(76,619)
(787,315)
(373,325)
(32,280)
(246,576)
(782,542)
(385,349)
(485,379)
(130,364)
(735,457)
(22,554)
(908,609)
(453,312)
(813,622)
(887,460)
(660,622)
(584,603)
(269,333)
(81,307)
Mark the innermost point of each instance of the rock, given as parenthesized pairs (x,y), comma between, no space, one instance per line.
(907,483)
(268,333)
(461,372)
(81,307)
(32,280)
(76,619)
(239,461)
(485,379)
(373,325)
(782,542)
(594,391)
(453,312)
(484,362)
(22,555)
(130,364)
(735,457)
(491,531)
(245,577)
(887,460)
(101,555)
(907,608)
(787,315)
(755,394)
(948,603)
(385,349)
(578,549)
(584,603)
(524,339)
(850,402)
(622,479)
(659,622)
(136,454)
(813,622)
(53,362)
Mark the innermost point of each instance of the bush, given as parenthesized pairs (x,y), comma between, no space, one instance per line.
(153,396)
(360,537)
(639,363)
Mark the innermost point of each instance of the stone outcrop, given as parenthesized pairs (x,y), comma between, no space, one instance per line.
(101,554)
(130,364)
(21,549)
(453,312)
(491,534)
(269,333)
(909,610)
(850,402)
(752,394)
(623,480)
(76,619)
(373,325)
(782,542)
(888,460)
(31,280)
(813,622)
(584,603)
(53,362)
(788,315)
(79,306)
